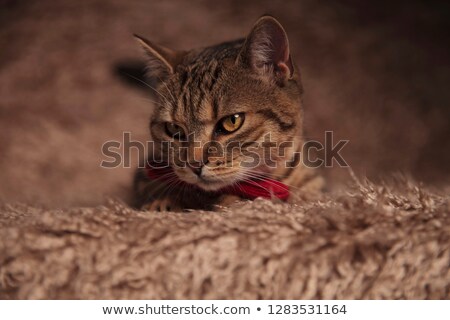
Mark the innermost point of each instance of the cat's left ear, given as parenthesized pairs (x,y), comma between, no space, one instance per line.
(266,50)
(161,60)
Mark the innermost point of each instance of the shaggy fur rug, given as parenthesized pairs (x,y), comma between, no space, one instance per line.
(374,73)
(375,242)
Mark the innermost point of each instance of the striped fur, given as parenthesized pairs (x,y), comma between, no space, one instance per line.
(253,76)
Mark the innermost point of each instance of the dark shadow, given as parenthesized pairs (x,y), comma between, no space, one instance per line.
(132,73)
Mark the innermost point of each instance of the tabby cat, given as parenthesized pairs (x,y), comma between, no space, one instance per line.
(221,113)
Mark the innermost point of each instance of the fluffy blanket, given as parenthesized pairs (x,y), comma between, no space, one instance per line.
(374,242)
(370,76)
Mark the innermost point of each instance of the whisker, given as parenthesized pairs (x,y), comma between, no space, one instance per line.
(264,178)
(168,90)
(151,100)
(148,85)
(261,176)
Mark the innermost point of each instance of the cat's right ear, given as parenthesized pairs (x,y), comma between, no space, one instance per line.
(161,60)
(266,50)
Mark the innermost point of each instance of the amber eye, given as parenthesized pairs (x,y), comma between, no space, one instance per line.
(175,131)
(231,123)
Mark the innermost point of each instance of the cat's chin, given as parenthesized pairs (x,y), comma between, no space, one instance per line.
(212,186)
(207,184)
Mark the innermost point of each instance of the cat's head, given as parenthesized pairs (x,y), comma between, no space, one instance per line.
(217,105)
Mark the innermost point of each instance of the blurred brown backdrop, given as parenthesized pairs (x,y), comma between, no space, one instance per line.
(376,73)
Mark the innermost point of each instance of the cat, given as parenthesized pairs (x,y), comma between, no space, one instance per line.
(237,93)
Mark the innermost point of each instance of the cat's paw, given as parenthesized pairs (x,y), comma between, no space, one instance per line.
(228,200)
(161,205)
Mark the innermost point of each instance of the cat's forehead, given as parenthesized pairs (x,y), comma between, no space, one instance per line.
(195,92)
(203,93)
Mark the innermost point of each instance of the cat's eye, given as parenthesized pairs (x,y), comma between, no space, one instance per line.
(231,123)
(175,131)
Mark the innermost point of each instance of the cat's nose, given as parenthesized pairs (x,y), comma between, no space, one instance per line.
(196,167)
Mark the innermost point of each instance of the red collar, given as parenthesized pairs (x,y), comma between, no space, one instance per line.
(250,189)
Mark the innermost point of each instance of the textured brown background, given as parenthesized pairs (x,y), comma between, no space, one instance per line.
(376,74)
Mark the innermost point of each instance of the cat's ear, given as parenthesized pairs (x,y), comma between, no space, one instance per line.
(161,60)
(266,50)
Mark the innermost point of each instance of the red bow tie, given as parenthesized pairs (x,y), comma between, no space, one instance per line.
(248,189)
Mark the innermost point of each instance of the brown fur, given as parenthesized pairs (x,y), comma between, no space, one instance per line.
(375,242)
(254,77)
